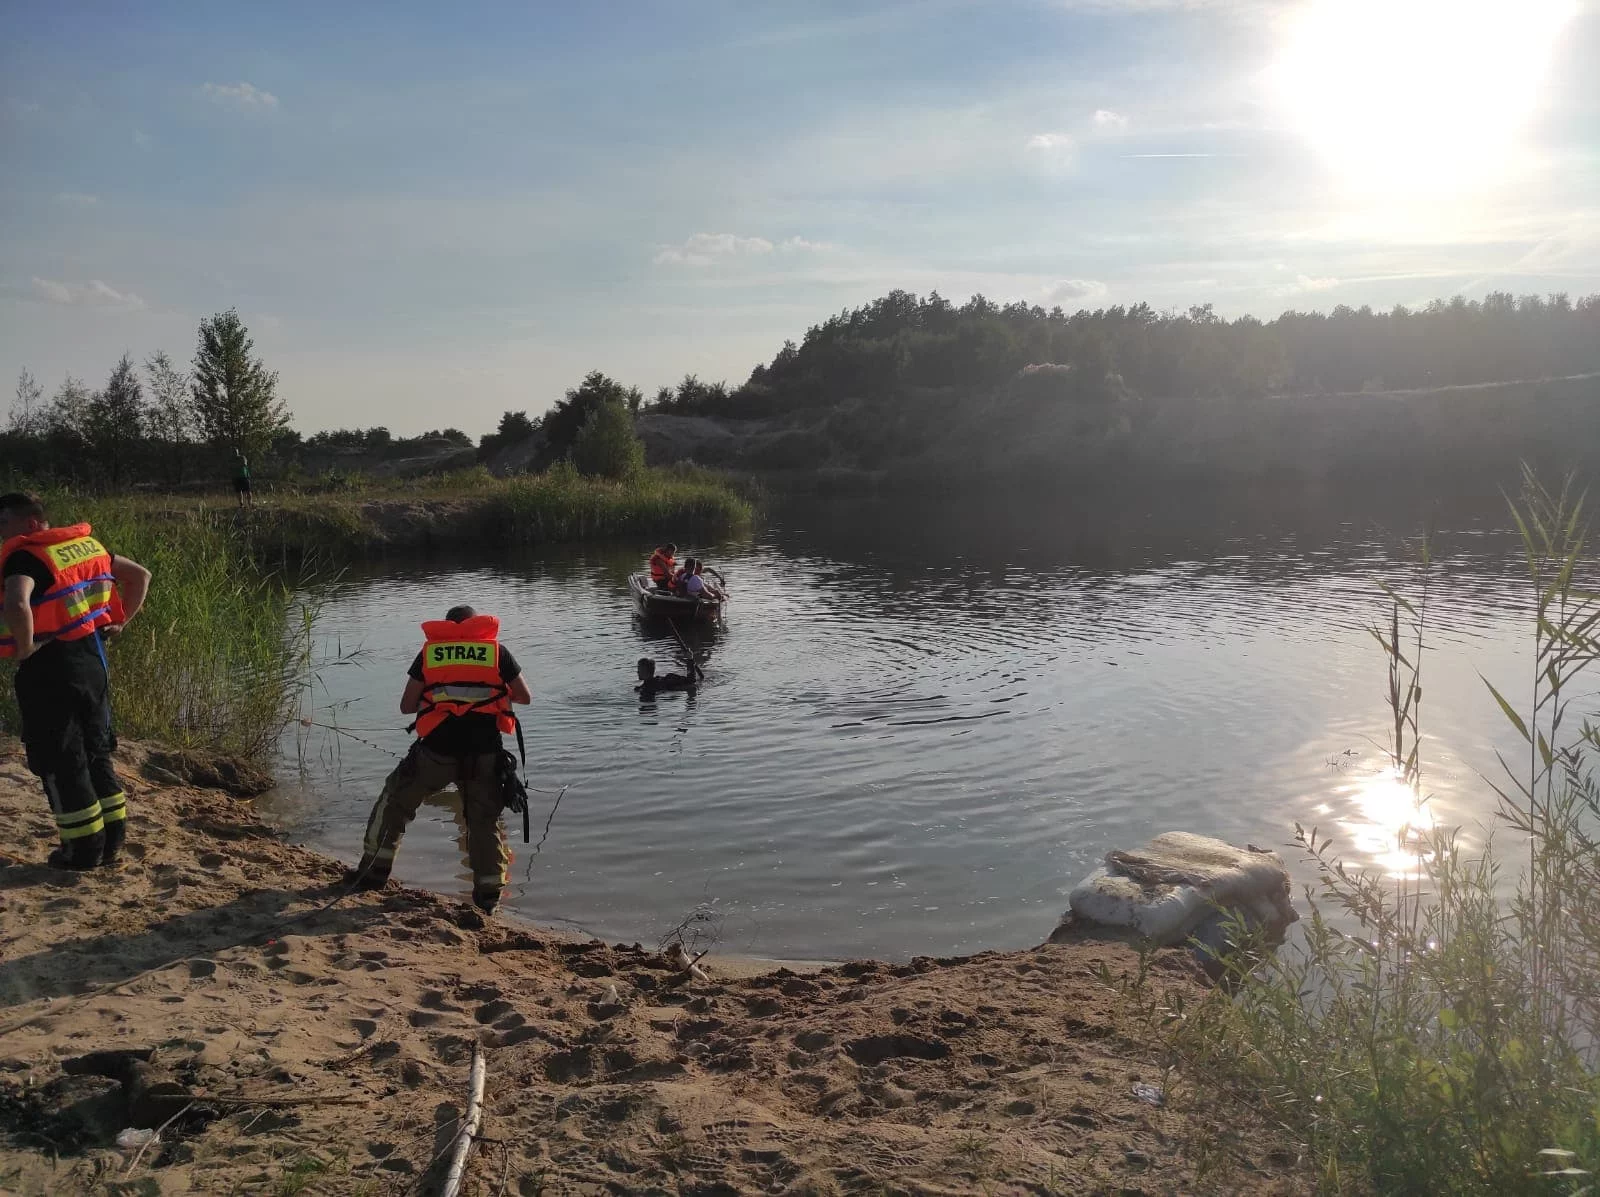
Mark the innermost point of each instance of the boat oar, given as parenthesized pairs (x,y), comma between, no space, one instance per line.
(694,666)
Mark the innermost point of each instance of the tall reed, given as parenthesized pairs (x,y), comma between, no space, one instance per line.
(1437,1036)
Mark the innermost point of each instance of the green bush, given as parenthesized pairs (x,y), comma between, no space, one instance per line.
(607,446)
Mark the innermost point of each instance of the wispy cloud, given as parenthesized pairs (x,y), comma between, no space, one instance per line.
(1050,141)
(1303,284)
(92,294)
(76,199)
(703,249)
(1106,121)
(1074,290)
(242,95)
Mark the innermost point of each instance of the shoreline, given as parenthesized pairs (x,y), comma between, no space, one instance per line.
(297,1034)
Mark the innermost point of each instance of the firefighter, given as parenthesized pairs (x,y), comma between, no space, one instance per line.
(461,689)
(63,592)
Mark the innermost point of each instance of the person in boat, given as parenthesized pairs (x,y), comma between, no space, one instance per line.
(652,683)
(681,576)
(461,688)
(663,566)
(710,590)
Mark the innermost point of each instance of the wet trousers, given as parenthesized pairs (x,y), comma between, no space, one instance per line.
(66,729)
(422,774)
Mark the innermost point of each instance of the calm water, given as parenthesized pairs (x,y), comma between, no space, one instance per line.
(922,725)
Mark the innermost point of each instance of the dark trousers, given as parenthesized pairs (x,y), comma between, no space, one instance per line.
(66,729)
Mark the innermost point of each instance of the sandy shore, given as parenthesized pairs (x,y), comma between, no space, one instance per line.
(306,1042)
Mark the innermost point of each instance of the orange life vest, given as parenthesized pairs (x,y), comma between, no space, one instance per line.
(661,566)
(82,596)
(461,673)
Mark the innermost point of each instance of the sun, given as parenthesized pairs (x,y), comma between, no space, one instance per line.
(1416,91)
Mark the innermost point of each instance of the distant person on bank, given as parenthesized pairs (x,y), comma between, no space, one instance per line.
(241,483)
(462,687)
(64,591)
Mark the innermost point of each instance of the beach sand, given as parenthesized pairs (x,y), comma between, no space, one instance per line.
(304,1041)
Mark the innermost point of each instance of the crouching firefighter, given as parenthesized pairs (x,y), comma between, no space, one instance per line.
(64,591)
(461,689)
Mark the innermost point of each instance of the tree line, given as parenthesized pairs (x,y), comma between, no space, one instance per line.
(903,343)
(162,421)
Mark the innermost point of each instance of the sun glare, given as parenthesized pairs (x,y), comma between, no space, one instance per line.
(1402,92)
(1384,821)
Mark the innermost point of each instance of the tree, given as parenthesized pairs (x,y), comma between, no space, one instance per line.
(566,419)
(25,411)
(607,446)
(113,420)
(68,411)
(170,415)
(235,395)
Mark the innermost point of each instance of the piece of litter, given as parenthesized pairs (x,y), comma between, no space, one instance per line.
(612,998)
(1145,1091)
(133,1139)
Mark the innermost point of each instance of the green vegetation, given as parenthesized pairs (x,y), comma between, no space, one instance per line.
(1447,1042)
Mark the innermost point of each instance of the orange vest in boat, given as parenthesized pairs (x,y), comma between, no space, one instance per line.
(661,566)
(82,595)
(461,673)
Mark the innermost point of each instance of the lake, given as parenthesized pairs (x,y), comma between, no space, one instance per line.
(923,723)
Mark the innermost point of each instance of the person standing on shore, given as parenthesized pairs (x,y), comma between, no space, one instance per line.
(61,596)
(461,689)
(241,482)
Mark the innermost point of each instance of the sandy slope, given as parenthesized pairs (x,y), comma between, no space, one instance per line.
(999,1073)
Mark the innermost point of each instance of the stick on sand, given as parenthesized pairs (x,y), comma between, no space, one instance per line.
(469,1126)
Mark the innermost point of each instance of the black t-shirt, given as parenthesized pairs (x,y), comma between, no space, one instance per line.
(80,651)
(468,735)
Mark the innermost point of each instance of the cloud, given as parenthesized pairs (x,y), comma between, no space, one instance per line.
(1050,141)
(1106,121)
(703,249)
(92,294)
(240,95)
(1304,285)
(1072,290)
(76,199)
(141,139)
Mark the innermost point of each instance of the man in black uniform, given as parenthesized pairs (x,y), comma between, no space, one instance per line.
(652,683)
(59,601)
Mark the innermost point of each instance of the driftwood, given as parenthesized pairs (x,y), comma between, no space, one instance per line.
(469,1126)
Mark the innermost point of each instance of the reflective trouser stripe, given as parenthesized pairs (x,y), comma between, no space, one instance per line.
(75,824)
(114,808)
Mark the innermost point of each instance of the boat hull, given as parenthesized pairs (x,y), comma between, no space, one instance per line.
(650,603)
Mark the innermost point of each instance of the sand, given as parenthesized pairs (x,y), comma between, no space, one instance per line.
(304,1041)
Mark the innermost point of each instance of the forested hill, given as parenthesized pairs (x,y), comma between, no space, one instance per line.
(917,385)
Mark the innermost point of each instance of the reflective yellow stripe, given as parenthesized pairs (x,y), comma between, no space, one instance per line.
(458,692)
(114,808)
(75,824)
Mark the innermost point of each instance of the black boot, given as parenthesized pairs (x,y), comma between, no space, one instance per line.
(486,900)
(115,833)
(78,854)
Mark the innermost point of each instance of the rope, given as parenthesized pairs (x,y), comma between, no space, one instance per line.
(333,727)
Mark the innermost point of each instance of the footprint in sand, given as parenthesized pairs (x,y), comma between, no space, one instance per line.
(200,969)
(365,1027)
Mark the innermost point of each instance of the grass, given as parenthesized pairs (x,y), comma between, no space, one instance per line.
(1434,1035)
(471,509)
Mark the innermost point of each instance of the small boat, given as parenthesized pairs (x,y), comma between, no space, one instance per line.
(659,604)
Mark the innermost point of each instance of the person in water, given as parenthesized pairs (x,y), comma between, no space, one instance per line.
(652,683)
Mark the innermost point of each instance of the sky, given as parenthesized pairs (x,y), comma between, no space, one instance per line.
(428,214)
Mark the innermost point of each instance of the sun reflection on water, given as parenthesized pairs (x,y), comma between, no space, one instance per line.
(1384,821)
